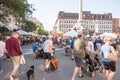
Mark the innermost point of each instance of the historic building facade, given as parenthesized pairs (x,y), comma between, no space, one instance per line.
(116,25)
(100,23)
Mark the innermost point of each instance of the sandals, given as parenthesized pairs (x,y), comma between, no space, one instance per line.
(80,76)
(17,74)
(12,77)
(47,70)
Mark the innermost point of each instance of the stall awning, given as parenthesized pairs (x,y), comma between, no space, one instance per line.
(22,32)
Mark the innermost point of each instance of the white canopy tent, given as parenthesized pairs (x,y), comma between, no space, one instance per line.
(21,32)
(108,34)
(113,35)
(71,33)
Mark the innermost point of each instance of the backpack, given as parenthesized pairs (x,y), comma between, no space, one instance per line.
(78,49)
(72,43)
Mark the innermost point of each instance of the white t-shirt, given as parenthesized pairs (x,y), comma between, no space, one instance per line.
(46,45)
(90,46)
(2,48)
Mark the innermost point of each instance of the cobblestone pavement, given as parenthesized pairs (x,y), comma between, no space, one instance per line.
(66,67)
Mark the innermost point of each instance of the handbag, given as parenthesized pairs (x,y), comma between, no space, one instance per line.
(22,61)
(111,56)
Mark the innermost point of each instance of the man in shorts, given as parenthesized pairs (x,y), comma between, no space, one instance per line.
(47,47)
(110,66)
(79,53)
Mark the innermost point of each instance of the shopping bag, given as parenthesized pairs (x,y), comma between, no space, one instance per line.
(55,63)
(111,56)
(22,61)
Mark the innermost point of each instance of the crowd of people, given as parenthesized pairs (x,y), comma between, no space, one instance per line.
(85,46)
(80,47)
(105,46)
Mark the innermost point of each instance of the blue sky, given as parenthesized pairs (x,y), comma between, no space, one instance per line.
(47,10)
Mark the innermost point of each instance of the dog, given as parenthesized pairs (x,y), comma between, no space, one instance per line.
(30,72)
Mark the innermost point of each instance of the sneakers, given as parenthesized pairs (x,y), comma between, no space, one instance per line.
(72,58)
(47,70)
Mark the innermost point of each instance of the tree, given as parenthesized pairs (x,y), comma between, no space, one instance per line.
(29,26)
(51,32)
(19,9)
(41,31)
(4,31)
(46,33)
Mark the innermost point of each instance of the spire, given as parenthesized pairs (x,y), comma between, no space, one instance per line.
(79,25)
(80,11)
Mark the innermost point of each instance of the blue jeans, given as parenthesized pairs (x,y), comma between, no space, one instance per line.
(0,63)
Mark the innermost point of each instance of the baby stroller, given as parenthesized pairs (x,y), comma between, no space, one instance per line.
(93,64)
(68,50)
(41,53)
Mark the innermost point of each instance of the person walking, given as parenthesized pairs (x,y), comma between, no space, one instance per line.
(47,47)
(14,51)
(110,66)
(72,45)
(91,45)
(2,51)
(79,53)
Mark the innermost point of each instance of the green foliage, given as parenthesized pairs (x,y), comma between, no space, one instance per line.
(29,26)
(7,33)
(17,8)
(50,32)
(46,33)
(41,31)
(4,31)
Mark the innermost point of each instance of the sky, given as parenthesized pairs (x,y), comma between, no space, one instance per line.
(47,10)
